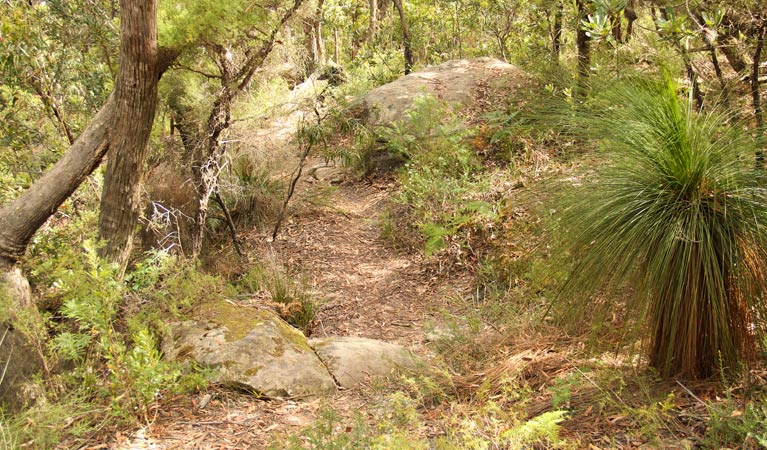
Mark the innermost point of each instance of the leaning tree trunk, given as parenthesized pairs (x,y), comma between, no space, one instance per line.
(21,218)
(137,91)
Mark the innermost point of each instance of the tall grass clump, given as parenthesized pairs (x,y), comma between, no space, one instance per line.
(675,222)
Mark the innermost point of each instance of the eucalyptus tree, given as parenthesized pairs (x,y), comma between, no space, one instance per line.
(123,121)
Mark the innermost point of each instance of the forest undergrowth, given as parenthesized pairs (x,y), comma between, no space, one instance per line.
(579,264)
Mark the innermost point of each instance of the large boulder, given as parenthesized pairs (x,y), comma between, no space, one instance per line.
(353,360)
(253,350)
(458,82)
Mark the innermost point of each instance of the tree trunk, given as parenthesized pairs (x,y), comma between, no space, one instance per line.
(21,218)
(373,23)
(320,44)
(406,42)
(631,16)
(617,29)
(207,161)
(336,46)
(556,44)
(310,44)
(137,91)
(584,51)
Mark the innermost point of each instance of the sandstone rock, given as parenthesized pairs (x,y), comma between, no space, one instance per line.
(352,360)
(453,82)
(253,350)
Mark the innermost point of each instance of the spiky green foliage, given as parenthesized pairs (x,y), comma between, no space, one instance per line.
(678,217)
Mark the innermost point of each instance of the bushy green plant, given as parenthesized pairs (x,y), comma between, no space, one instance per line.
(491,426)
(330,433)
(678,215)
(441,181)
(135,372)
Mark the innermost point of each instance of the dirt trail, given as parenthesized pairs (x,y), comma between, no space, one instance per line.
(367,289)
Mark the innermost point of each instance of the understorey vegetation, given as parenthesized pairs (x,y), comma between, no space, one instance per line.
(587,240)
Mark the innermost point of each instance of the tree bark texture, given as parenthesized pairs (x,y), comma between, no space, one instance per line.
(136,92)
(22,217)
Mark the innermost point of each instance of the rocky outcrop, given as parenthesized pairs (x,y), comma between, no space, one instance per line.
(456,82)
(252,350)
(353,360)
(257,351)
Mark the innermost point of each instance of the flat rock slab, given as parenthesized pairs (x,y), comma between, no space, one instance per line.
(353,360)
(454,82)
(252,349)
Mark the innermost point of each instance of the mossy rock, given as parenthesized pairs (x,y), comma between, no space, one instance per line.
(252,349)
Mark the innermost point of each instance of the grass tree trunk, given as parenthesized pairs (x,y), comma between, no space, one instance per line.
(756,98)
(137,94)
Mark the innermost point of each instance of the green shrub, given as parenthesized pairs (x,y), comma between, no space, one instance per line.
(732,425)
(135,372)
(441,182)
(679,216)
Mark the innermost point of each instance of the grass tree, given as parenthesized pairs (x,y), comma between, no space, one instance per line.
(677,221)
